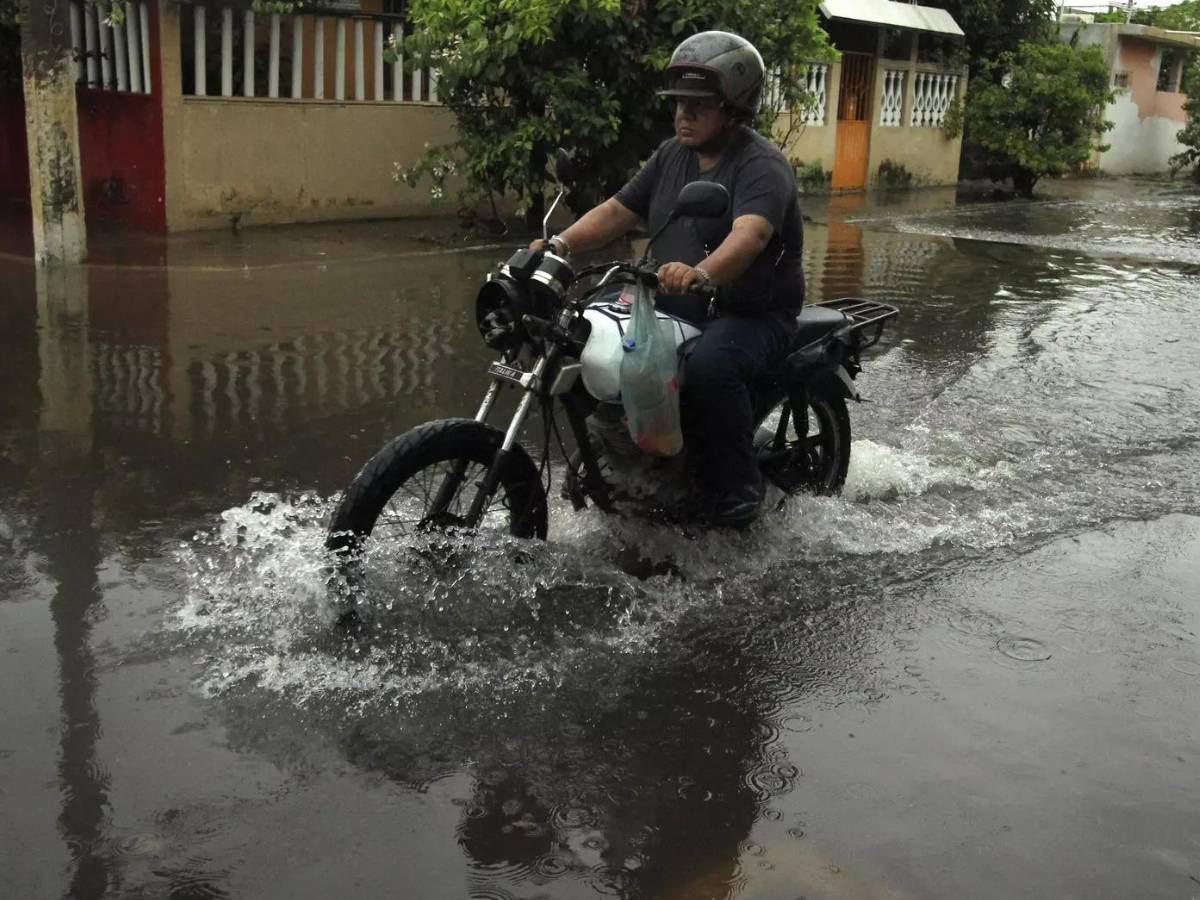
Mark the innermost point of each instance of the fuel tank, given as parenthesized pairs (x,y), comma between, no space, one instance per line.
(602,354)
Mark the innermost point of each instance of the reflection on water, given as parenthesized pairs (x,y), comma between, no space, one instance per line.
(534,720)
(312,374)
(61,486)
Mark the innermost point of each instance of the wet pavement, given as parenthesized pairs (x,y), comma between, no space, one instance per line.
(976,674)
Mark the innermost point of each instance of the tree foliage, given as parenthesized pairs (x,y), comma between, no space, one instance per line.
(10,42)
(1184,16)
(995,27)
(1189,134)
(525,76)
(1041,112)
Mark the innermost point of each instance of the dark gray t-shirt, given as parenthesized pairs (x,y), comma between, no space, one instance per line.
(760,182)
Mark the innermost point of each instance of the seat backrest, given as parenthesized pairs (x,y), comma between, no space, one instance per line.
(815,323)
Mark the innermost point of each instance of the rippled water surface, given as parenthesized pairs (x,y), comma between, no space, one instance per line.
(975,674)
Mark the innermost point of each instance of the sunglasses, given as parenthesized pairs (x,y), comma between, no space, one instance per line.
(697,104)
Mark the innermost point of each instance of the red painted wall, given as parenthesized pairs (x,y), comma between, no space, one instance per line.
(121,158)
(121,151)
(14,157)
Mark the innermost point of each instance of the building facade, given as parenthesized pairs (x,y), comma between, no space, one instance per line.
(1146,67)
(196,116)
(200,115)
(882,108)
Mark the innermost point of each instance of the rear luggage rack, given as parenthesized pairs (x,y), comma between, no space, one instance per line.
(867,317)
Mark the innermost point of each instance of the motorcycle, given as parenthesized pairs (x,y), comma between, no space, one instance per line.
(559,334)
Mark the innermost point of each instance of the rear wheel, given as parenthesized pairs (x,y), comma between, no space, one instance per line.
(426,480)
(814,454)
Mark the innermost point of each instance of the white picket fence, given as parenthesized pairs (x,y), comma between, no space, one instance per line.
(891,103)
(933,92)
(815,84)
(111,56)
(350,37)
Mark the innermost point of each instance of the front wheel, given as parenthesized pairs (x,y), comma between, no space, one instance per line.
(814,453)
(426,480)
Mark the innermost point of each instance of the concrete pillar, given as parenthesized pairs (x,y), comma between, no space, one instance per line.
(52,127)
(171,79)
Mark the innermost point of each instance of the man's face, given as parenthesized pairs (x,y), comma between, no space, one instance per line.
(699,120)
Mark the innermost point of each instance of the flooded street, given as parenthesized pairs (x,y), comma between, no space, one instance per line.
(976,674)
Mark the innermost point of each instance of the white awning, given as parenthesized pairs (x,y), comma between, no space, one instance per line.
(892,15)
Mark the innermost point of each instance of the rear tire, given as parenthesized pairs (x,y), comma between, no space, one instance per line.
(817,460)
(402,479)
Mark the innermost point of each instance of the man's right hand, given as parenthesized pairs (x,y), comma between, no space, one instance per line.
(551,246)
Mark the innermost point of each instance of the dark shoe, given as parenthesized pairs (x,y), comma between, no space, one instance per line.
(739,507)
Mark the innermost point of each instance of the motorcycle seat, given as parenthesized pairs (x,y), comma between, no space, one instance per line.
(815,322)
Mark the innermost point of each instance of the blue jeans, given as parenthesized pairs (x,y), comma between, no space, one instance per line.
(718,417)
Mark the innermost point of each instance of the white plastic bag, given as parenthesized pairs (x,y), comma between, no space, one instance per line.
(650,381)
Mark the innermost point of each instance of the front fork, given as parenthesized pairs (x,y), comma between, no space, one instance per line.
(454,478)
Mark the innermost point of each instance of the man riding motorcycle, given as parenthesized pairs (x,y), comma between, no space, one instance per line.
(753,256)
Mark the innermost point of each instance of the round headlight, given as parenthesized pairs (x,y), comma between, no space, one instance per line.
(499,306)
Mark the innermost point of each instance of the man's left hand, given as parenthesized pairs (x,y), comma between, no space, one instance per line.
(676,278)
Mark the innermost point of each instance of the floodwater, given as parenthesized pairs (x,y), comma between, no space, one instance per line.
(976,674)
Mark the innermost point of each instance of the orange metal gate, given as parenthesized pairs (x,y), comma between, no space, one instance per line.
(853,122)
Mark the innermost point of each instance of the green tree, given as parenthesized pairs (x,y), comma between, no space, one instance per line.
(10,43)
(1039,112)
(525,76)
(995,27)
(1189,134)
(1183,16)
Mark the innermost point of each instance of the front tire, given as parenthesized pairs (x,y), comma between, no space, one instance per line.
(396,490)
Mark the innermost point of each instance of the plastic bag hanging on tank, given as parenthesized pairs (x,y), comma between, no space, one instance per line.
(649,380)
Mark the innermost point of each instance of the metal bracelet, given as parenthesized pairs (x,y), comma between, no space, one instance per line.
(566,246)
(703,274)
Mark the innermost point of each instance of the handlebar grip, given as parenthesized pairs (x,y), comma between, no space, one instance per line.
(707,291)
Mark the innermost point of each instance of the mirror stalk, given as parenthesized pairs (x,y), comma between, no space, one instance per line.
(550,212)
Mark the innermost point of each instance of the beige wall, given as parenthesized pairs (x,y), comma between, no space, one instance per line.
(273,161)
(260,162)
(924,152)
(810,143)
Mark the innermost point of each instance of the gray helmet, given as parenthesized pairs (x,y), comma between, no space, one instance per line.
(717,64)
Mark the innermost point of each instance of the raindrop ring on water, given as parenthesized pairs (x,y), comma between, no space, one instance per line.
(554,866)
(1186,667)
(1023,649)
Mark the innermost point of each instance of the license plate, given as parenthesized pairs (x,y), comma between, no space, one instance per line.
(508,373)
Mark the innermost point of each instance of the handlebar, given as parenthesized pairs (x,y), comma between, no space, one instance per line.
(635,273)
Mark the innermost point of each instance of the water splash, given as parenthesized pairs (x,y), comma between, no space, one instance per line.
(462,611)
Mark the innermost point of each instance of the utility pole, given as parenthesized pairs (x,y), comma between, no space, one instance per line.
(52,126)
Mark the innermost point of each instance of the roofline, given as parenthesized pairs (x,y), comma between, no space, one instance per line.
(1187,39)
(893,14)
